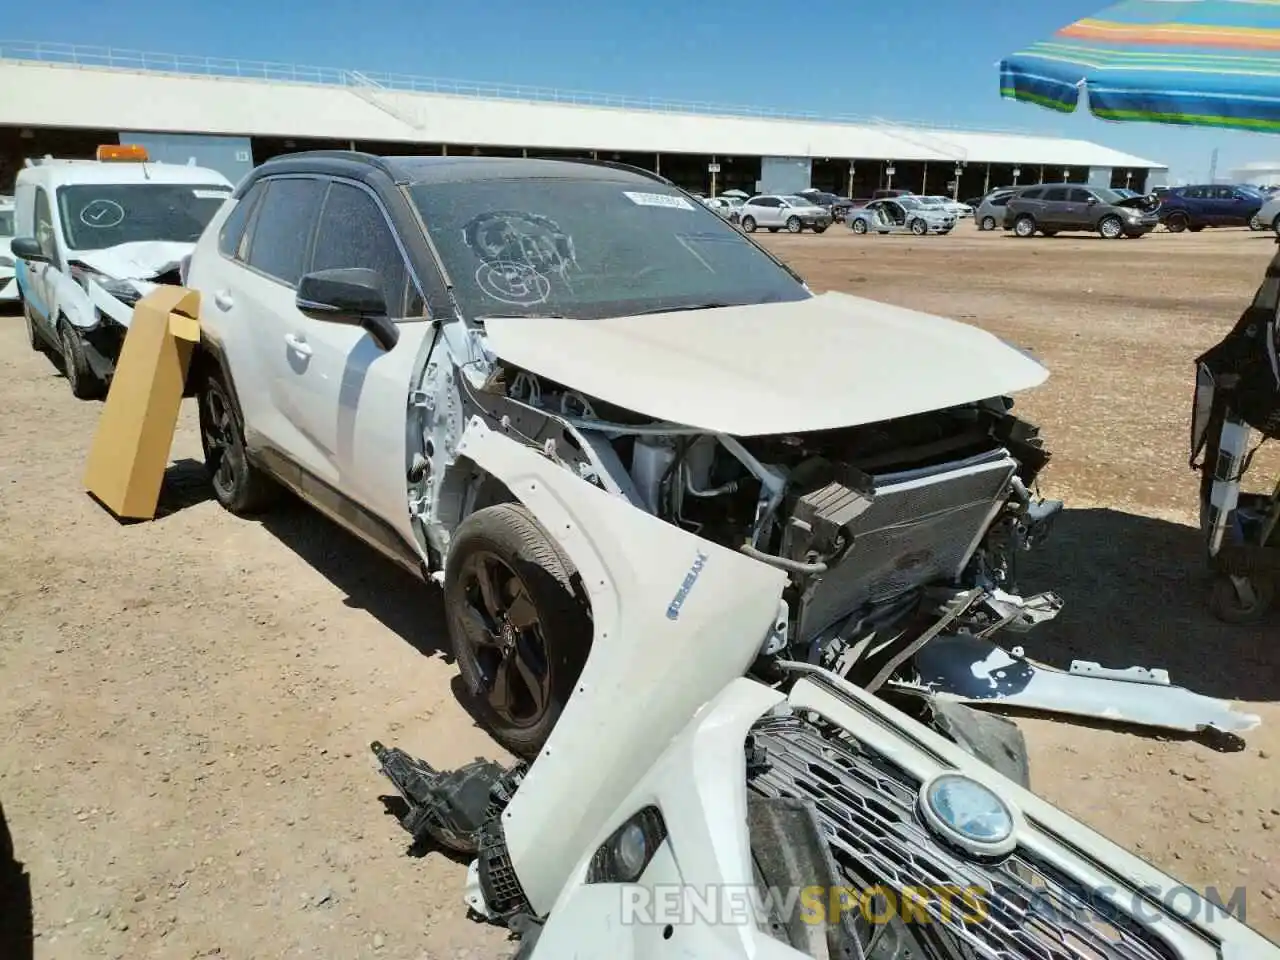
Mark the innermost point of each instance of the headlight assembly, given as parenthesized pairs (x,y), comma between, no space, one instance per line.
(623,857)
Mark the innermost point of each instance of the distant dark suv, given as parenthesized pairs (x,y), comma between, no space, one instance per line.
(1210,205)
(1079,208)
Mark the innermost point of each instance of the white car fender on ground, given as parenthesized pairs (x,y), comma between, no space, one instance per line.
(675,616)
(700,786)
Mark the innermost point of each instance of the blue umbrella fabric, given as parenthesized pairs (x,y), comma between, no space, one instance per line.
(1211,63)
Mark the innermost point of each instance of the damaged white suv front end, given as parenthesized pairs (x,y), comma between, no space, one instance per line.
(680,810)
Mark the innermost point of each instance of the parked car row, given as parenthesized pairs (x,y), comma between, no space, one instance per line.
(1119,212)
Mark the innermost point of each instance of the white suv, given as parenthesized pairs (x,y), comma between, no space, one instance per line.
(776,211)
(404,342)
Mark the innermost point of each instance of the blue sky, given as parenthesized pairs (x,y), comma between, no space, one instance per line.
(913,59)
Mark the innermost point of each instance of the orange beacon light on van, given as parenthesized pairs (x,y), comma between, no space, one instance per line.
(123,153)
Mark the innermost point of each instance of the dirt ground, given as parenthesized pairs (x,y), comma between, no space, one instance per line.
(186,704)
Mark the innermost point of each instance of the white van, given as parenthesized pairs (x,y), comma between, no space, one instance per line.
(95,236)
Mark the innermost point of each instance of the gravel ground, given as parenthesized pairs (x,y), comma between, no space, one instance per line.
(187,703)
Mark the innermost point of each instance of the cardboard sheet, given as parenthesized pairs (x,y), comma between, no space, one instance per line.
(130,450)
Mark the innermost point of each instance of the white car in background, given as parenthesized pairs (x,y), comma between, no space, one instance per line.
(8,283)
(775,211)
(728,207)
(93,237)
(954,207)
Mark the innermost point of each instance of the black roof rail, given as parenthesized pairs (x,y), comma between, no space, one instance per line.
(355,156)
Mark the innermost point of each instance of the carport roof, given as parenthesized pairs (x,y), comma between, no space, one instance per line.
(65,86)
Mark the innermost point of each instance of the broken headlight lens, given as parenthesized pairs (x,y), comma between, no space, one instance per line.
(623,857)
(122,290)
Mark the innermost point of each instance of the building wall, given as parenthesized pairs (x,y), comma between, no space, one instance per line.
(1100,176)
(784,174)
(230,156)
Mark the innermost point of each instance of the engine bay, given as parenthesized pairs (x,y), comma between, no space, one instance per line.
(862,518)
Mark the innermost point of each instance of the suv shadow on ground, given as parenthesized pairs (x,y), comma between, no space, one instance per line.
(1136,592)
(401,602)
(17,935)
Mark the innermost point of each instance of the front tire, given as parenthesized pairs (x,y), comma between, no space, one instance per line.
(860,226)
(1024,226)
(919,228)
(1256,224)
(794,225)
(819,228)
(749,224)
(1111,228)
(84,384)
(238,485)
(520,628)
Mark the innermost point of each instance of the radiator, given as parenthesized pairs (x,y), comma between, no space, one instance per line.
(922,527)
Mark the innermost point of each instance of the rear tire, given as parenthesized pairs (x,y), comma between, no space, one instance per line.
(238,485)
(987,223)
(84,383)
(1025,226)
(819,228)
(1176,222)
(540,639)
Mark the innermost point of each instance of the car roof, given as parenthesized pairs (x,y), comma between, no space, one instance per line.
(408,170)
(69,172)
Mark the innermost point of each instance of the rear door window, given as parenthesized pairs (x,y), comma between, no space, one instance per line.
(1034,193)
(231,235)
(1056,194)
(1079,195)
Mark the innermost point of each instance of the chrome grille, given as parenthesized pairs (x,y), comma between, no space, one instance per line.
(921,528)
(868,809)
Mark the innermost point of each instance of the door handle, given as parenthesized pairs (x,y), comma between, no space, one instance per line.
(297,344)
(223,300)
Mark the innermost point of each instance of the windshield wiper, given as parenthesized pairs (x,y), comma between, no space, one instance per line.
(709,305)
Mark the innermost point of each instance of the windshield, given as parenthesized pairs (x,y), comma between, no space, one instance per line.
(911,203)
(1250,191)
(1107,195)
(100,215)
(6,226)
(591,249)
(931,201)
(801,201)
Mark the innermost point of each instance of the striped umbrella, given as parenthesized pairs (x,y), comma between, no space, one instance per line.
(1212,63)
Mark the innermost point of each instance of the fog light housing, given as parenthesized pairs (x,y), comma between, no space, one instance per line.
(624,856)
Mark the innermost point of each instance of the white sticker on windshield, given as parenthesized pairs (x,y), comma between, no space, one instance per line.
(211,194)
(658,200)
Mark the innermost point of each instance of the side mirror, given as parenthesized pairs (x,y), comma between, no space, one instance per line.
(28,248)
(1092,200)
(350,295)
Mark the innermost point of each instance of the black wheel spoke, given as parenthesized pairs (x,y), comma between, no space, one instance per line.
(485,631)
(533,683)
(490,595)
(500,693)
(522,614)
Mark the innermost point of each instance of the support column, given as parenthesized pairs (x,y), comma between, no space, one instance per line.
(850,193)
(924,178)
(986,181)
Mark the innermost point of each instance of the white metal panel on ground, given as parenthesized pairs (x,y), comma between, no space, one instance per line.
(76,96)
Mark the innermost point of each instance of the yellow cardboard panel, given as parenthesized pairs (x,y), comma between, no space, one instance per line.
(130,450)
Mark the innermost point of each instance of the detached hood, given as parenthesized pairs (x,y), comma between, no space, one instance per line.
(830,361)
(140,260)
